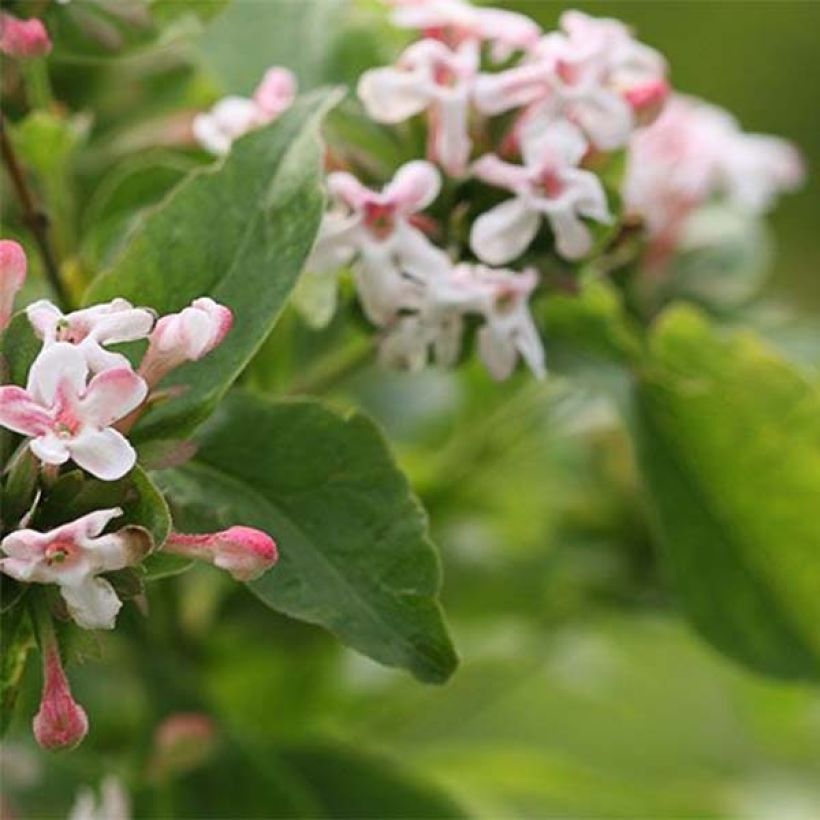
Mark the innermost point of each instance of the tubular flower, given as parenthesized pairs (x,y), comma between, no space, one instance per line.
(696,151)
(593,73)
(374,228)
(68,418)
(243,552)
(23,38)
(12,275)
(429,76)
(60,723)
(186,336)
(499,296)
(456,21)
(233,116)
(550,186)
(90,329)
(73,556)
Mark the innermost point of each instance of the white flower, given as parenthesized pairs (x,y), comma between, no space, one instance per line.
(90,329)
(113,805)
(549,186)
(234,116)
(454,21)
(12,275)
(593,73)
(428,77)
(696,151)
(73,556)
(70,418)
(372,230)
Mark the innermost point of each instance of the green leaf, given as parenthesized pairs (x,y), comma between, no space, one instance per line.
(355,554)
(729,444)
(17,641)
(75,494)
(240,233)
(350,783)
(19,347)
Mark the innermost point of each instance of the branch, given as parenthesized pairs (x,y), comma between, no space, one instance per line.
(35,217)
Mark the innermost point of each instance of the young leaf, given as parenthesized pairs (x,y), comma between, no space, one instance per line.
(239,233)
(355,554)
(729,444)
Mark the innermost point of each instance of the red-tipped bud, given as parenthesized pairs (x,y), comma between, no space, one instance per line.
(61,722)
(23,38)
(244,552)
(12,275)
(648,100)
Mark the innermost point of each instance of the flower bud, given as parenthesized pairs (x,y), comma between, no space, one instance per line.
(186,336)
(61,722)
(182,742)
(647,100)
(23,38)
(12,275)
(243,552)
(275,93)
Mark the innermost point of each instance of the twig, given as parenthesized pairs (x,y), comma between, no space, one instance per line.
(35,217)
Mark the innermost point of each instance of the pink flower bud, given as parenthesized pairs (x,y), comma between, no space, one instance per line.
(12,275)
(186,336)
(275,93)
(23,38)
(647,100)
(182,742)
(61,722)
(244,552)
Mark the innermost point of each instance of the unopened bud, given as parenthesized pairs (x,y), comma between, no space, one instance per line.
(12,275)
(186,336)
(61,722)
(182,742)
(243,552)
(23,38)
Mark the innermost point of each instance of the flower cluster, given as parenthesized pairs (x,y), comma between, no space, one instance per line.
(81,398)
(522,125)
(234,116)
(694,153)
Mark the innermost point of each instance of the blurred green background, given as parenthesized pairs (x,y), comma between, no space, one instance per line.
(582,692)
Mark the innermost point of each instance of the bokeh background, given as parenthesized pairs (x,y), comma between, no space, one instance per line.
(582,691)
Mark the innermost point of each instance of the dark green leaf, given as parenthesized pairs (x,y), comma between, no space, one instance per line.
(729,443)
(355,554)
(239,233)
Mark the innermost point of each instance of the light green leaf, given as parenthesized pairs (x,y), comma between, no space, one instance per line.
(729,443)
(239,233)
(355,554)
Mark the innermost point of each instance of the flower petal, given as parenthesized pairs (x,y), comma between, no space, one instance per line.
(391,95)
(50,449)
(93,604)
(60,368)
(504,232)
(415,186)
(21,414)
(105,454)
(111,395)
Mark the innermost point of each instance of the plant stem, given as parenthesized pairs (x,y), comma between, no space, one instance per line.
(335,370)
(35,217)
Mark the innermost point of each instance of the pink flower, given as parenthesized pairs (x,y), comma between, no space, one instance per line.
(233,116)
(73,556)
(90,329)
(68,418)
(549,186)
(61,723)
(593,73)
(696,151)
(456,21)
(23,38)
(374,229)
(186,336)
(431,77)
(243,552)
(12,275)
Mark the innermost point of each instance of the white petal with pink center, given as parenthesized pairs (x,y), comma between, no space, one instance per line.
(73,556)
(68,418)
(551,186)
(92,328)
(428,77)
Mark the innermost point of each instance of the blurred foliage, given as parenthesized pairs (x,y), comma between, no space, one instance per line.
(581,692)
